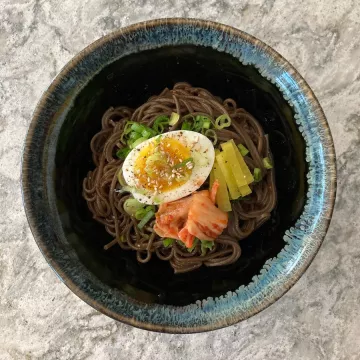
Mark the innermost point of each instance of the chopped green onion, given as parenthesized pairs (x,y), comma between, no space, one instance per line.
(196,240)
(189,117)
(257,174)
(204,118)
(134,136)
(146,134)
(123,153)
(183,163)
(174,118)
(127,128)
(243,150)
(202,123)
(162,119)
(198,123)
(167,242)
(158,139)
(131,206)
(211,134)
(186,126)
(267,163)
(206,124)
(159,128)
(137,128)
(160,122)
(121,179)
(126,131)
(144,130)
(222,121)
(136,142)
(146,219)
(205,244)
(140,213)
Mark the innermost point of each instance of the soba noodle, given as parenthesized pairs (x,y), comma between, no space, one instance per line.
(105,201)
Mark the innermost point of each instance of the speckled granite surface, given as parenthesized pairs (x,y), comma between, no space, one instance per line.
(318,319)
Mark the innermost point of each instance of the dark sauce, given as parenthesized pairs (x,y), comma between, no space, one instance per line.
(131,81)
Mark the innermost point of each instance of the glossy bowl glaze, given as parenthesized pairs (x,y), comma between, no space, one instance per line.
(125,68)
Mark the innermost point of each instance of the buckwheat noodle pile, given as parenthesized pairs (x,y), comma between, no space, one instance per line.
(105,201)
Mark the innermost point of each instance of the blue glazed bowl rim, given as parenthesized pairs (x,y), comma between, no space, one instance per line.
(303,240)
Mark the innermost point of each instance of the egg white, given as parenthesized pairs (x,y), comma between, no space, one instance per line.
(201,150)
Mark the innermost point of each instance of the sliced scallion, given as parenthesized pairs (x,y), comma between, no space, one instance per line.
(183,163)
(267,163)
(146,219)
(159,123)
(206,244)
(134,136)
(137,127)
(207,124)
(222,122)
(186,125)
(127,128)
(198,123)
(167,242)
(146,134)
(131,206)
(174,118)
(137,142)
(150,208)
(257,174)
(121,179)
(243,150)
(140,213)
(211,134)
(123,153)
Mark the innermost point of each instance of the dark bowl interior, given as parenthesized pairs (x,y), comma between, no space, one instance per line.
(131,81)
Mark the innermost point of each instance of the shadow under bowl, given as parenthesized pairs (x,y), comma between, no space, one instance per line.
(126,68)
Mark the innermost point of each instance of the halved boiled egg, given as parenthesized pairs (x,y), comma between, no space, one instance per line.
(169,166)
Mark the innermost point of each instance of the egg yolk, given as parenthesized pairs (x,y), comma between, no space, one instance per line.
(163,165)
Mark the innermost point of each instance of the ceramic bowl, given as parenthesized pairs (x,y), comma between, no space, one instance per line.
(126,68)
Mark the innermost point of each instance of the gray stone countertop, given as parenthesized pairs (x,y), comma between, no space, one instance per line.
(319,318)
